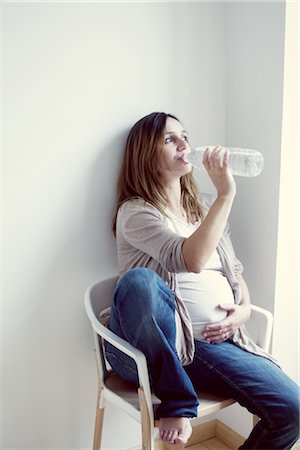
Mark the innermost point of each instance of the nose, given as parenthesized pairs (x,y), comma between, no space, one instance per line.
(182,144)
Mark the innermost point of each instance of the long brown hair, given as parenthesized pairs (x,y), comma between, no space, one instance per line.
(139,174)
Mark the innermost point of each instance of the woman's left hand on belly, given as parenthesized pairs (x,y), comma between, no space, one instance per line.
(221,331)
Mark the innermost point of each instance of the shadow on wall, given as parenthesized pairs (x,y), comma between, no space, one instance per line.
(89,253)
(100,206)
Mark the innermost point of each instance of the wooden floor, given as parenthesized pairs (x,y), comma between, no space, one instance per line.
(210,444)
(213,435)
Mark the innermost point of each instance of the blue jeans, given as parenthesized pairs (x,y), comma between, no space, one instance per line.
(143,313)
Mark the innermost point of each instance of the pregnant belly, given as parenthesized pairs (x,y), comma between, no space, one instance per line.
(202,293)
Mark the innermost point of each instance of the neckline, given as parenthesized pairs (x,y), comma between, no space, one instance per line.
(183,220)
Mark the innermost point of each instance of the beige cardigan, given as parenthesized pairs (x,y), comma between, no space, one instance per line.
(144,240)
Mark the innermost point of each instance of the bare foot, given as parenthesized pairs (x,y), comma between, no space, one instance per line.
(175,430)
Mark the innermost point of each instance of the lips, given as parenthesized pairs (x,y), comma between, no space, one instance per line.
(184,158)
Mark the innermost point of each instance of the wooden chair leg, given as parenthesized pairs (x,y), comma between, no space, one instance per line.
(99,412)
(147,438)
(147,435)
(98,424)
(256,419)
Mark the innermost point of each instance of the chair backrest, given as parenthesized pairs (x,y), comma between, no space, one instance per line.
(98,297)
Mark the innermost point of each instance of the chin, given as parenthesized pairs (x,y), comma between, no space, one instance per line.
(187,170)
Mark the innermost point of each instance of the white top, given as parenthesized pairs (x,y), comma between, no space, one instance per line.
(202,292)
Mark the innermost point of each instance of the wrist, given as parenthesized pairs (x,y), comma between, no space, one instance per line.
(246,307)
(226,198)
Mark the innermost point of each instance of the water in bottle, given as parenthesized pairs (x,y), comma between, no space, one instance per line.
(242,162)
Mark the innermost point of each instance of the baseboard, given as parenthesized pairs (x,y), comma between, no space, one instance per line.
(215,429)
(228,436)
(202,432)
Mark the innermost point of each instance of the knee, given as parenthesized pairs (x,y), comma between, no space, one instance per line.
(143,288)
(137,284)
(137,279)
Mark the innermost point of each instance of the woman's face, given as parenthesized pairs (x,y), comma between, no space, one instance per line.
(175,149)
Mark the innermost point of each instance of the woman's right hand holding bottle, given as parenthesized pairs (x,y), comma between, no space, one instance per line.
(198,248)
(216,163)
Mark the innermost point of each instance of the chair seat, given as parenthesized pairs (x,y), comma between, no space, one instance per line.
(208,402)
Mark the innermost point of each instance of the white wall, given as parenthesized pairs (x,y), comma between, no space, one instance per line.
(254,93)
(287,320)
(75,78)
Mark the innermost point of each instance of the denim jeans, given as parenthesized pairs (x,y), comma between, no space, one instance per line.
(143,313)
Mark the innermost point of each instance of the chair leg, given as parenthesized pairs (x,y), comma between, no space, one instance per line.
(99,412)
(147,435)
(98,423)
(256,419)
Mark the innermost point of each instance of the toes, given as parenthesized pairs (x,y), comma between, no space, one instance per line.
(175,431)
(183,435)
(168,436)
(180,439)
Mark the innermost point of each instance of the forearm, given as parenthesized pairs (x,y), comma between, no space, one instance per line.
(245,295)
(198,248)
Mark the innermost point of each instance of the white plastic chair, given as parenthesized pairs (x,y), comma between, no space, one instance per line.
(139,402)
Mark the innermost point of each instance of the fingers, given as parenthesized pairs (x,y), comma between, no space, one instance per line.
(217,336)
(219,332)
(237,315)
(216,164)
(226,159)
(227,307)
(214,159)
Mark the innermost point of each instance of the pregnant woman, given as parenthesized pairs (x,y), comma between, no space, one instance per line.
(181,297)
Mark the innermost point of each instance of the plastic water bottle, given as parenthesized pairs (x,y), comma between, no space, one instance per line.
(242,162)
